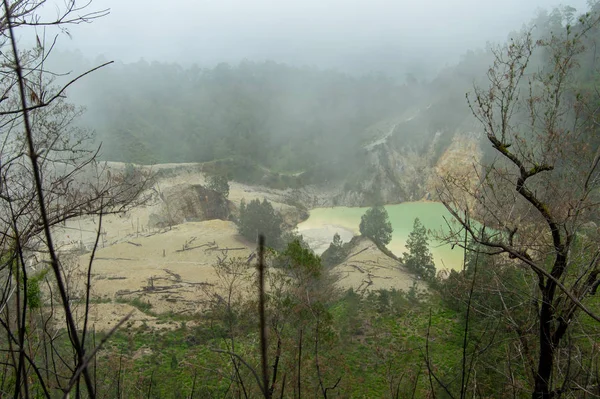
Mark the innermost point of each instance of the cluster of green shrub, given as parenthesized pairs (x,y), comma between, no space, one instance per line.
(384,343)
(375,225)
(319,338)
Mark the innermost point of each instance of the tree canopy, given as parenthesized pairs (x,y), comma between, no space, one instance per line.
(219,184)
(336,253)
(260,218)
(376,225)
(300,260)
(538,112)
(283,118)
(418,259)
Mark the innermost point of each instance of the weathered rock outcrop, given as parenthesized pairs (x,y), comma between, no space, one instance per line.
(404,165)
(189,203)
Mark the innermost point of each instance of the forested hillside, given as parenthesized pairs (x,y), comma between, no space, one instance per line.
(256,118)
(280,117)
(253,119)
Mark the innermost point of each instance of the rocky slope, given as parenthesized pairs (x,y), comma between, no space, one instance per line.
(366,268)
(402,162)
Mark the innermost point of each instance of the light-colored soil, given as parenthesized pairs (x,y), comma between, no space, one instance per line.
(319,237)
(172,269)
(461,161)
(368,269)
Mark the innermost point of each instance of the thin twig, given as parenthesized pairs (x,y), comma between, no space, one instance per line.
(83,366)
(88,286)
(40,197)
(241,359)
(57,95)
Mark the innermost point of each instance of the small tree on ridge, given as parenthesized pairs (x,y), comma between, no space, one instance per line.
(376,225)
(419,259)
(219,184)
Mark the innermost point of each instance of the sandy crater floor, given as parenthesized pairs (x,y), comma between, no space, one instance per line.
(172,269)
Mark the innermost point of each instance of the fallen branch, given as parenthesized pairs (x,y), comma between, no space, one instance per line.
(196,247)
(357,268)
(176,276)
(362,250)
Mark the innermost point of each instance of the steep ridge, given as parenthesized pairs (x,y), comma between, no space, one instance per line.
(403,162)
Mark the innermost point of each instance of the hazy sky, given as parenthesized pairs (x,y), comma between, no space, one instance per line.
(356,34)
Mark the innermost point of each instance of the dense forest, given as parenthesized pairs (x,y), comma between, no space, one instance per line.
(257,117)
(279,117)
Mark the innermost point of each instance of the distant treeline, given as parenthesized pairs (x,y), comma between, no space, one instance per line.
(266,118)
(283,118)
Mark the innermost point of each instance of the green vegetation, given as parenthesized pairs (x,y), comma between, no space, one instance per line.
(144,307)
(371,346)
(260,218)
(219,184)
(300,260)
(34,293)
(536,195)
(274,118)
(375,344)
(336,253)
(376,225)
(418,259)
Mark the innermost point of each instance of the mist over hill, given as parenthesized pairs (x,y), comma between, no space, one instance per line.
(265,122)
(352,198)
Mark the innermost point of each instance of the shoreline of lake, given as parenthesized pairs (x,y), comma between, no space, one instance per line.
(324,222)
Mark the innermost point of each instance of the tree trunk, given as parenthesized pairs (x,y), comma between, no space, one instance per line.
(546,358)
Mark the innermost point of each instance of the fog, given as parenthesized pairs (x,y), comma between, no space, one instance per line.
(394,37)
(419,174)
(228,80)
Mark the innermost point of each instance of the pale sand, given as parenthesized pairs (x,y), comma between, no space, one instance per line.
(155,268)
(368,269)
(320,237)
(147,264)
(184,280)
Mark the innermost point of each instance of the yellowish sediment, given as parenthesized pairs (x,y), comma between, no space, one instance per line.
(172,268)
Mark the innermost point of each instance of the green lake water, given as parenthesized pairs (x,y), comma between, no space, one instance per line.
(323,223)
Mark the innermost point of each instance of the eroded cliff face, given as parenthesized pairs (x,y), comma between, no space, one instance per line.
(189,203)
(402,159)
(405,163)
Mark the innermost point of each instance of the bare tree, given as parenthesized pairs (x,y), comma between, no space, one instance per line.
(226,299)
(534,204)
(48,174)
